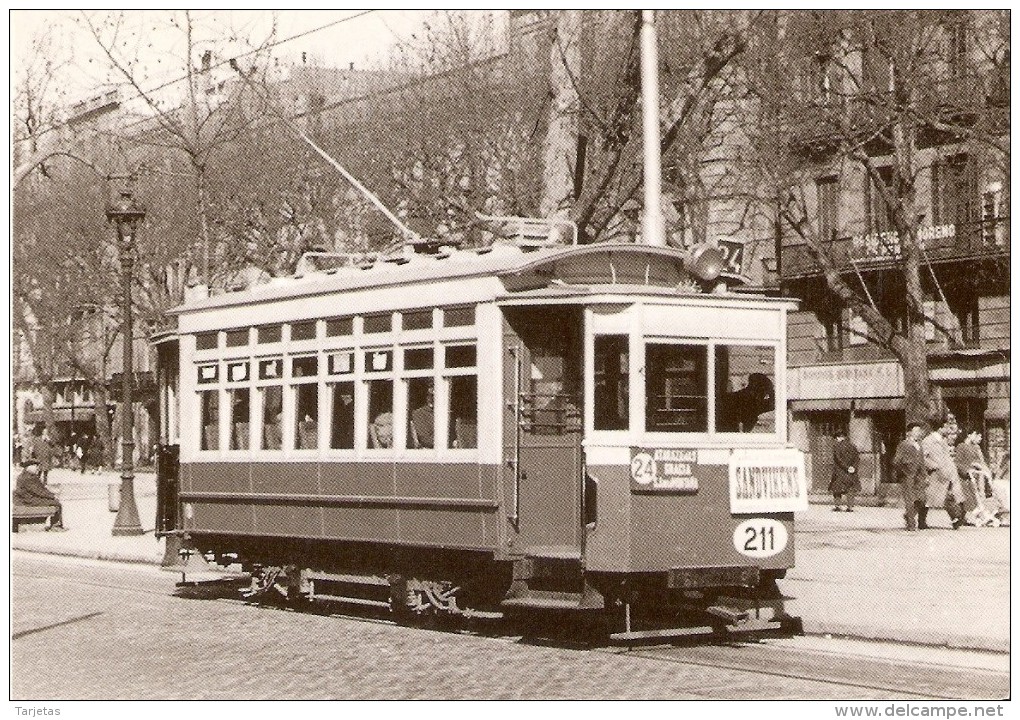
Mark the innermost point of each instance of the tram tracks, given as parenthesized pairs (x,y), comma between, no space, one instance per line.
(763,658)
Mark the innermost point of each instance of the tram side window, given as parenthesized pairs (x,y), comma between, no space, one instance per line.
(209,419)
(463,411)
(421,423)
(380,413)
(240,407)
(272,415)
(745,398)
(676,388)
(306,416)
(342,426)
(612,396)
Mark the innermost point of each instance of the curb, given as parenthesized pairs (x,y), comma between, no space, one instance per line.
(105,556)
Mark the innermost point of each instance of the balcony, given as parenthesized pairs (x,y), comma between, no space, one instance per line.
(941,243)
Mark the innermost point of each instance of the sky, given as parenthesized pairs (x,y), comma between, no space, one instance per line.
(329,37)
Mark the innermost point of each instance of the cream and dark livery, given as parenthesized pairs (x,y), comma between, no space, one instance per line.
(587,428)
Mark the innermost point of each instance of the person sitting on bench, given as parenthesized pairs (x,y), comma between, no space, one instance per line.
(31,492)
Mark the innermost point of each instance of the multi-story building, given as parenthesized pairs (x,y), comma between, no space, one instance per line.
(841,380)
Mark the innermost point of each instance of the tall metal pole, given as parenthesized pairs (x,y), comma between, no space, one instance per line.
(127,215)
(653,228)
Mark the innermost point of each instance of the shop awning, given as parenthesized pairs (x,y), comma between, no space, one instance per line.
(879,404)
(80,414)
(808,405)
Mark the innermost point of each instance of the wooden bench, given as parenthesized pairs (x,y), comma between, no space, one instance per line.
(30,514)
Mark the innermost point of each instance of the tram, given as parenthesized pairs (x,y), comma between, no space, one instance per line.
(528,428)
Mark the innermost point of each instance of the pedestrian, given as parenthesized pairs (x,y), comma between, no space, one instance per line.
(42,450)
(79,453)
(943,487)
(30,491)
(975,476)
(845,476)
(16,447)
(908,464)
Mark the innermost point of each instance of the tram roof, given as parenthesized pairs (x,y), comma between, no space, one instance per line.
(520,269)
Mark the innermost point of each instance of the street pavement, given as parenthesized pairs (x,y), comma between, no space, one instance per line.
(857,575)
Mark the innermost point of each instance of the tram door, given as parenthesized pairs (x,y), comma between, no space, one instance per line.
(543,367)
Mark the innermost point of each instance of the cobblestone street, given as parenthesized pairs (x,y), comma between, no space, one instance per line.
(89,631)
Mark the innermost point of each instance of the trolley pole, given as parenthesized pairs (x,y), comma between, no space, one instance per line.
(653,229)
(126,216)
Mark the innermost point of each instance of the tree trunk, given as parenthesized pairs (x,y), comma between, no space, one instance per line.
(561,133)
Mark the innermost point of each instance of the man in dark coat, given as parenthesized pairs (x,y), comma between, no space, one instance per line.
(908,464)
(845,476)
(30,491)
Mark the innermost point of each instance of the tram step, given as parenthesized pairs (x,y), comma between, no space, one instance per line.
(553,552)
(545,603)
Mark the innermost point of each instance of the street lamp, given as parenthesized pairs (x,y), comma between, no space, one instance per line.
(126,215)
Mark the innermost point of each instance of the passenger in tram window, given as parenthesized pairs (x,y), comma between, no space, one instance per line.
(343,417)
(422,426)
(381,430)
(739,411)
(272,418)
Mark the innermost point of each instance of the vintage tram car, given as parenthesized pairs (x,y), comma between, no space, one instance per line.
(533,428)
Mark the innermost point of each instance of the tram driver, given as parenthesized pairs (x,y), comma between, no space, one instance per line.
(739,410)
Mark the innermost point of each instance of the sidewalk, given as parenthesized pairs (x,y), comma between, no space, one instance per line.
(857,575)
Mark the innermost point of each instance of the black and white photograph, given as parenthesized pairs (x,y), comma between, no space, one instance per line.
(510,355)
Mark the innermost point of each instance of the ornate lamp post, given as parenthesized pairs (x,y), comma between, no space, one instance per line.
(126,216)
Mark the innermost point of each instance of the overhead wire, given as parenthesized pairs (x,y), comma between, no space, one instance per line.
(168,83)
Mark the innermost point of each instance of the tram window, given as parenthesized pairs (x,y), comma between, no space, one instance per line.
(208,374)
(272,415)
(380,413)
(612,396)
(463,411)
(271,369)
(676,388)
(342,426)
(237,338)
(303,331)
(303,367)
(339,326)
(270,333)
(417,320)
(209,418)
(745,398)
(306,416)
(240,413)
(341,363)
(237,372)
(421,423)
(417,358)
(378,323)
(459,317)
(458,356)
(206,341)
(378,360)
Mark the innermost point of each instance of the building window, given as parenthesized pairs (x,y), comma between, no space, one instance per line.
(954,191)
(964,306)
(612,389)
(879,212)
(676,388)
(828,208)
(209,419)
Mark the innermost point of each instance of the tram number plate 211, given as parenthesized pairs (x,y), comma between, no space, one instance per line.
(663,470)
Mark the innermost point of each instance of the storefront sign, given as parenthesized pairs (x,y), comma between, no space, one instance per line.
(766,481)
(663,470)
(861,380)
(886,245)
